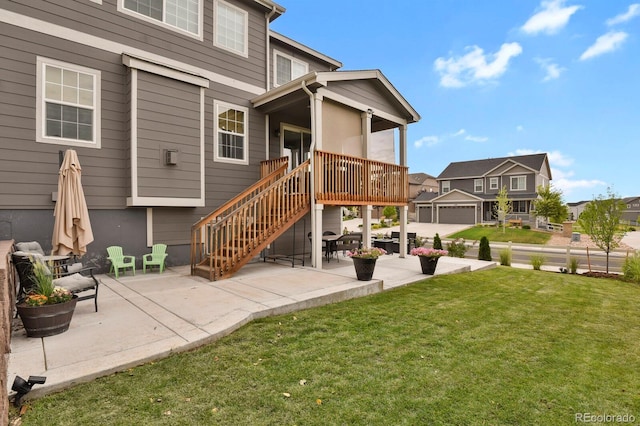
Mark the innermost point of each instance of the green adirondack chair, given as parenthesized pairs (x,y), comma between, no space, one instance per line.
(120,261)
(155,258)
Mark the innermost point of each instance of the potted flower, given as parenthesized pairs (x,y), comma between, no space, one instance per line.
(428,258)
(364,260)
(47,309)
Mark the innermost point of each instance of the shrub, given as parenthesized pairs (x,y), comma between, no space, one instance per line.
(457,248)
(526,226)
(574,262)
(505,257)
(631,268)
(437,242)
(484,251)
(537,260)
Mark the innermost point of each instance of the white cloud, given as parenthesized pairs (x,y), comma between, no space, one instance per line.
(604,44)
(551,19)
(475,66)
(426,140)
(551,69)
(458,133)
(520,128)
(476,138)
(632,12)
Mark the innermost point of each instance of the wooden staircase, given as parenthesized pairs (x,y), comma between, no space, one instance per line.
(231,236)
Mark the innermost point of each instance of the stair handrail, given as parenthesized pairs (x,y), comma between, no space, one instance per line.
(232,221)
(257,187)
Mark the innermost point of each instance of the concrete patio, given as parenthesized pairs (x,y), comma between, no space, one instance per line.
(143,318)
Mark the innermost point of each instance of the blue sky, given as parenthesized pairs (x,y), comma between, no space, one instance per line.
(499,77)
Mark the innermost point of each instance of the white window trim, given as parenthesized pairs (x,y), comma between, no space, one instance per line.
(216,157)
(277,53)
(163,24)
(516,178)
(245,52)
(494,183)
(481,185)
(41,116)
(446,186)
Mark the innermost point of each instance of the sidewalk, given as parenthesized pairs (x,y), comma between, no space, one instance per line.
(142,318)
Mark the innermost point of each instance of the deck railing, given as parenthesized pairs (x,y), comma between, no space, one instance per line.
(347,180)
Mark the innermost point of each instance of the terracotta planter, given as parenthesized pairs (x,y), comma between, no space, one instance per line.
(428,264)
(364,268)
(47,320)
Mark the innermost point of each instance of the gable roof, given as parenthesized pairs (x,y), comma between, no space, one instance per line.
(333,63)
(419,178)
(479,168)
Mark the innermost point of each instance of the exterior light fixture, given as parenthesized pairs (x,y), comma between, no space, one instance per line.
(22,387)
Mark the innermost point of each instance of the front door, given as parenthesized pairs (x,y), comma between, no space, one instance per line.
(296,144)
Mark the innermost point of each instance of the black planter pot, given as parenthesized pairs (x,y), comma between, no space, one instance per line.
(428,264)
(47,320)
(364,268)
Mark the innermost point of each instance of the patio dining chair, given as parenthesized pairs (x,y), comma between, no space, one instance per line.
(79,280)
(120,261)
(347,242)
(155,258)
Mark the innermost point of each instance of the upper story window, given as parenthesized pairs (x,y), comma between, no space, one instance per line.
(231,136)
(287,68)
(518,183)
(231,28)
(182,14)
(446,186)
(478,185)
(68,104)
(493,183)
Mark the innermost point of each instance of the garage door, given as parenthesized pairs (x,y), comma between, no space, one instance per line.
(457,215)
(424,214)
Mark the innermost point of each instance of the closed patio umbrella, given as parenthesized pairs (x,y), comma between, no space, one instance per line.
(72,228)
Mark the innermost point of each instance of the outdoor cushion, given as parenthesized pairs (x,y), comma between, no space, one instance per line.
(30,247)
(75,282)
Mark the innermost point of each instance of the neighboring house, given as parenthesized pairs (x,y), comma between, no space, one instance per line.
(419,183)
(631,214)
(576,209)
(177,107)
(468,189)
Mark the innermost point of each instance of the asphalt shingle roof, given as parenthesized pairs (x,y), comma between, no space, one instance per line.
(476,168)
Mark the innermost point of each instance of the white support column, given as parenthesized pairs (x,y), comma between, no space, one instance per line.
(317,100)
(403,209)
(403,230)
(366,133)
(316,246)
(366,226)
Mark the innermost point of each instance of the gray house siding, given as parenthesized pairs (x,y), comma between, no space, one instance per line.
(365,92)
(168,118)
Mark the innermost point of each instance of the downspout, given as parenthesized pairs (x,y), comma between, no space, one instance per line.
(268,44)
(312,149)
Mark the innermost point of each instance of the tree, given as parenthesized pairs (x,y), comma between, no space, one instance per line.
(484,252)
(390,213)
(550,204)
(601,221)
(503,206)
(437,242)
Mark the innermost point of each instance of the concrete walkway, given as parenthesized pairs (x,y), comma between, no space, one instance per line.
(142,318)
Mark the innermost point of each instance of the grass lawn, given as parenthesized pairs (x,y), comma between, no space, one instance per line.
(504,346)
(494,234)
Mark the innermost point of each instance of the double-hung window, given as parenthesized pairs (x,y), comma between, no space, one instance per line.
(231,28)
(446,186)
(182,14)
(493,183)
(518,183)
(478,185)
(68,104)
(230,144)
(287,68)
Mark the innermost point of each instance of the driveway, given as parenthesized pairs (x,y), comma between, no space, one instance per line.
(428,230)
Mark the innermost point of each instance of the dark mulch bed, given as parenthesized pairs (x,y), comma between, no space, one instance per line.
(596,274)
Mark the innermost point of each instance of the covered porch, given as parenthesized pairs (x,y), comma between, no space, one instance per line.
(352,127)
